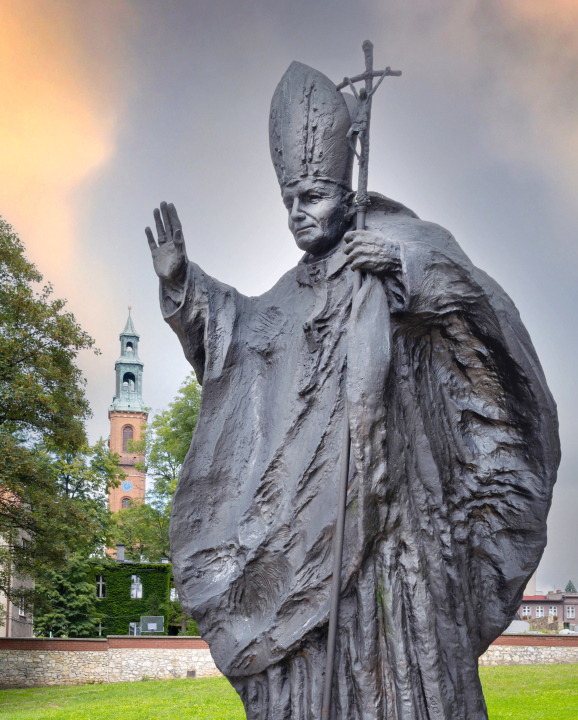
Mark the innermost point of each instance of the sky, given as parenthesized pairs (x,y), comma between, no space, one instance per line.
(110,106)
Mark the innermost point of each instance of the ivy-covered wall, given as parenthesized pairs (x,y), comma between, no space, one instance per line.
(118,609)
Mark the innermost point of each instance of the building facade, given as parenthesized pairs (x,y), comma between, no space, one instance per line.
(127,417)
(557,606)
(15,617)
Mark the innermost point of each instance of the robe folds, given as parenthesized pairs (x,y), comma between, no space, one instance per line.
(454,456)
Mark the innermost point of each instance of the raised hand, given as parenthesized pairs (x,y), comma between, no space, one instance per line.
(170,254)
(371,251)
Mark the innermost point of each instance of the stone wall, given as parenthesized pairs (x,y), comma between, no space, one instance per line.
(159,664)
(528,655)
(114,659)
(531,650)
(52,667)
(34,661)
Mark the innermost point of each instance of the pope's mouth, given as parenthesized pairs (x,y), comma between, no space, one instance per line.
(304,229)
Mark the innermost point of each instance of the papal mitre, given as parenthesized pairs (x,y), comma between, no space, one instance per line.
(308,124)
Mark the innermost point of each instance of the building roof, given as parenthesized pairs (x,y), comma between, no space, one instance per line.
(129,328)
(535,597)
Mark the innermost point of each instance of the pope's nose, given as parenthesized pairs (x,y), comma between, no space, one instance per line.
(296,211)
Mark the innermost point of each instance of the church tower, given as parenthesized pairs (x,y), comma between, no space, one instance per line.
(127,416)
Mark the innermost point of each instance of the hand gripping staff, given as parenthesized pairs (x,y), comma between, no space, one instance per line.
(359,132)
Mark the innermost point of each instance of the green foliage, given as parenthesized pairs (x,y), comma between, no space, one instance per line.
(70,596)
(167,439)
(570,587)
(51,483)
(41,389)
(202,699)
(144,530)
(144,527)
(118,609)
(192,628)
(67,512)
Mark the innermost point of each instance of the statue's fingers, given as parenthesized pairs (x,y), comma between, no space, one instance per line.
(166,219)
(178,238)
(151,238)
(352,244)
(174,218)
(354,248)
(360,262)
(160,227)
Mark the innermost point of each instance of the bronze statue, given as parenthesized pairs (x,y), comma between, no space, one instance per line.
(454,447)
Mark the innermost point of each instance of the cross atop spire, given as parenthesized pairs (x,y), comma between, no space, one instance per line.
(129,327)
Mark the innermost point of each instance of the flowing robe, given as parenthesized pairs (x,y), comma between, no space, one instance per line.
(455,451)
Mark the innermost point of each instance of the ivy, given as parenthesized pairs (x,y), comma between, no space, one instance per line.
(118,609)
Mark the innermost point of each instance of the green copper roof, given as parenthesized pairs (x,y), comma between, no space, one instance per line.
(129,371)
(129,327)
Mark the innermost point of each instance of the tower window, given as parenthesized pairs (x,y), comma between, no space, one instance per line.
(127,434)
(125,503)
(129,347)
(128,382)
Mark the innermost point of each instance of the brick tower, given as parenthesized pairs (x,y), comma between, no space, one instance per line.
(127,416)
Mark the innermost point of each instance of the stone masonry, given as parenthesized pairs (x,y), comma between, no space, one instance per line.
(33,661)
(159,664)
(528,655)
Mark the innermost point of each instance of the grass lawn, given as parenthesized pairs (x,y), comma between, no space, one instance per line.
(206,699)
(531,692)
(538,692)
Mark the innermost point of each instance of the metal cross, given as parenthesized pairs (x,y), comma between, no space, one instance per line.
(360,126)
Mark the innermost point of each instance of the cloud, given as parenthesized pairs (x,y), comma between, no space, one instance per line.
(56,126)
(515,63)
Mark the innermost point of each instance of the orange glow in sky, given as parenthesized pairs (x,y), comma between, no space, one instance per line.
(53,130)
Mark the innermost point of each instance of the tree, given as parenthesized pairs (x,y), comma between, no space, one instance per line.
(570,587)
(43,409)
(84,478)
(70,608)
(144,527)
(168,438)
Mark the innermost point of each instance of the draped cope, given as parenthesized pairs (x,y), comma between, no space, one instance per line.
(454,455)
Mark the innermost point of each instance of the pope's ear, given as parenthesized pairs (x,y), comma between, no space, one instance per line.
(348,201)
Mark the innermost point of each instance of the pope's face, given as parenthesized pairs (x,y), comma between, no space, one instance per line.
(317,215)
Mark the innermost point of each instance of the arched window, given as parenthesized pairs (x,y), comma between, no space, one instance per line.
(135,587)
(125,503)
(128,382)
(127,434)
(129,347)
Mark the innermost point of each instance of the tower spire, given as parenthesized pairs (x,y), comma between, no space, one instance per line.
(129,327)
(129,371)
